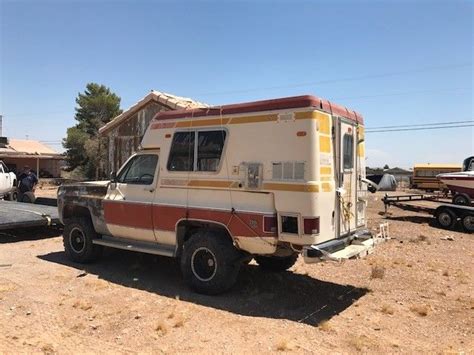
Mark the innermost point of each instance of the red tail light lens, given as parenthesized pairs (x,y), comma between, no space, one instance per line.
(311,225)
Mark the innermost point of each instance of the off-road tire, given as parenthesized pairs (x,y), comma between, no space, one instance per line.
(77,238)
(462,199)
(276,263)
(210,262)
(467,222)
(446,218)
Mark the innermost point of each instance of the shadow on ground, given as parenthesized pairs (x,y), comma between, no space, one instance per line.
(429,220)
(22,234)
(284,295)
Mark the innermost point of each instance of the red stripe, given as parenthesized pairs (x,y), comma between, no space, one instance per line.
(265,105)
(128,214)
(135,215)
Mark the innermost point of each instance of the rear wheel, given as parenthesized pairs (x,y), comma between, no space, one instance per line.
(78,235)
(210,263)
(276,263)
(446,218)
(468,223)
(461,199)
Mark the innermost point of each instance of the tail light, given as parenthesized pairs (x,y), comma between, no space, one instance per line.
(311,225)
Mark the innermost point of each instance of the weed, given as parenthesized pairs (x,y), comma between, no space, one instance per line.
(162,327)
(421,310)
(378,272)
(386,309)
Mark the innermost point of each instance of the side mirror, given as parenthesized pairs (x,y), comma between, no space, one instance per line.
(113,176)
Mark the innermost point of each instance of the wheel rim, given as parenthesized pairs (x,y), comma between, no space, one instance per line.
(77,240)
(468,223)
(203,264)
(460,200)
(445,219)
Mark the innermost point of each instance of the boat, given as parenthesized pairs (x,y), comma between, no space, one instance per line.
(461,183)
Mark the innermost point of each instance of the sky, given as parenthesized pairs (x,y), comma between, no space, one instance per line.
(396,62)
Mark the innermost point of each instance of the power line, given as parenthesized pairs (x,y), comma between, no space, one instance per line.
(330,81)
(419,129)
(421,124)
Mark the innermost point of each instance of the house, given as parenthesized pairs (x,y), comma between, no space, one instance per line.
(17,153)
(123,134)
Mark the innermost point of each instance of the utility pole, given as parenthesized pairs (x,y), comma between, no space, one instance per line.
(1,126)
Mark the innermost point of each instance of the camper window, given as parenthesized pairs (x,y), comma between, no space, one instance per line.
(182,152)
(348,150)
(209,150)
(139,170)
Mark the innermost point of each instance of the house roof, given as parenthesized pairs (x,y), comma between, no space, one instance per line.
(437,165)
(22,148)
(172,102)
(264,105)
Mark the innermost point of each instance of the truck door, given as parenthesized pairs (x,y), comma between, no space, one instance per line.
(346,162)
(128,203)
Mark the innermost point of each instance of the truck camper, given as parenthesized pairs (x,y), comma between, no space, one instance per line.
(216,187)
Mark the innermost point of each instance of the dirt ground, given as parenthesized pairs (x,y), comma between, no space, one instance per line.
(414,294)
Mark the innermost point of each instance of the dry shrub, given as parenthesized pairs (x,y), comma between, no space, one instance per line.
(47,349)
(162,327)
(422,238)
(386,309)
(283,345)
(378,272)
(359,342)
(81,304)
(445,273)
(421,310)
(325,326)
(179,321)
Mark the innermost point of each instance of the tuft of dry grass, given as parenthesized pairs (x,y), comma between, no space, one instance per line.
(421,310)
(378,272)
(81,304)
(445,273)
(387,309)
(162,327)
(179,321)
(360,342)
(47,349)
(283,345)
(325,326)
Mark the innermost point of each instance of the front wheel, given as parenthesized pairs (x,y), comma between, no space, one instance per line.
(210,263)
(78,235)
(276,263)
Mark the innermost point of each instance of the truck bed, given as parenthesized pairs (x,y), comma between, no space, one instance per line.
(22,215)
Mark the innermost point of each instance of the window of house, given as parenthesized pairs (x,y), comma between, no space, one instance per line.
(196,151)
(348,151)
(182,152)
(139,170)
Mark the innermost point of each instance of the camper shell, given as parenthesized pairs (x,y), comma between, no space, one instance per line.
(274,179)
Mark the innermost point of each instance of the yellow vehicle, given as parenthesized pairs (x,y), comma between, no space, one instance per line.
(424,176)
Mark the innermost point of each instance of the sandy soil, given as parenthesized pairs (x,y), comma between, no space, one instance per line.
(414,294)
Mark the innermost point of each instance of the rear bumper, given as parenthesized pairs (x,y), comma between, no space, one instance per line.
(356,245)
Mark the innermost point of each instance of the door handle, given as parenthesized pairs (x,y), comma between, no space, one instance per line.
(149,189)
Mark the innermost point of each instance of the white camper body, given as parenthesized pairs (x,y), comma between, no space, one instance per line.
(285,172)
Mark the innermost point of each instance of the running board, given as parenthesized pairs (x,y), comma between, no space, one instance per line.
(141,247)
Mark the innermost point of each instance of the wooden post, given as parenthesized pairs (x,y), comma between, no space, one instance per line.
(38,167)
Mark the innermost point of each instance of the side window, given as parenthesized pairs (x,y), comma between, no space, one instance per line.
(140,170)
(182,152)
(210,146)
(206,146)
(348,151)
(1,168)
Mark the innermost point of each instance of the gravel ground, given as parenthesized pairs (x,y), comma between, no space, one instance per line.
(414,294)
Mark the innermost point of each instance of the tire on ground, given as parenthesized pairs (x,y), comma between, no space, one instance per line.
(467,222)
(461,199)
(77,237)
(276,263)
(210,263)
(446,218)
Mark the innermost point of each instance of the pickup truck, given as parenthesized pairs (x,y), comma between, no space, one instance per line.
(8,183)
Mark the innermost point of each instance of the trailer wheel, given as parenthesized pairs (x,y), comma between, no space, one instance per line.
(210,263)
(446,218)
(461,199)
(276,263)
(468,223)
(77,237)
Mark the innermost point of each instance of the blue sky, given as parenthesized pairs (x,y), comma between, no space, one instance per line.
(396,62)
